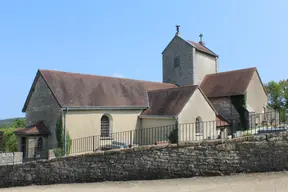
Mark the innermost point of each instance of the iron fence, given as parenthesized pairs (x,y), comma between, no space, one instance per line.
(254,124)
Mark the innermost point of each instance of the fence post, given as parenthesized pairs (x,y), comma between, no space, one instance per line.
(93,137)
(131,138)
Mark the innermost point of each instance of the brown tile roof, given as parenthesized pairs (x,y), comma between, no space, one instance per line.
(83,90)
(221,121)
(228,83)
(168,102)
(202,48)
(36,129)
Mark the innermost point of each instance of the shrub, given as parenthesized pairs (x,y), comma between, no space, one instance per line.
(173,136)
(60,139)
(10,140)
(58,152)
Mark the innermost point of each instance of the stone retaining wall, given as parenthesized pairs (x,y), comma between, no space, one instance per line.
(210,158)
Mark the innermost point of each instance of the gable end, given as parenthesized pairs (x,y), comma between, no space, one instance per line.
(38,75)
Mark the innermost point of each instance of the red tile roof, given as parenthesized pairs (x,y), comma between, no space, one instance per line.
(228,83)
(221,121)
(202,48)
(168,102)
(36,129)
(83,90)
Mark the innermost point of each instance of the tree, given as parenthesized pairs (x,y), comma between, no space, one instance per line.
(19,123)
(10,142)
(278,96)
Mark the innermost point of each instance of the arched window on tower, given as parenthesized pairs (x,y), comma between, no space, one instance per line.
(176,62)
(106,129)
(199,126)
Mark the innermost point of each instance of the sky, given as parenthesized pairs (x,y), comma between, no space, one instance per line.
(125,38)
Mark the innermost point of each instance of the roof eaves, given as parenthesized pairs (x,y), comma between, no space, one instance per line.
(212,53)
(89,108)
(157,116)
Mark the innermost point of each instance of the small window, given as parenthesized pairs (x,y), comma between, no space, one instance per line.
(105,126)
(176,62)
(199,125)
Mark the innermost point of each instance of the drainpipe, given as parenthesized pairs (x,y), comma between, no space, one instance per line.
(65,132)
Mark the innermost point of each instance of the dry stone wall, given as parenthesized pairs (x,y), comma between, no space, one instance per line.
(210,158)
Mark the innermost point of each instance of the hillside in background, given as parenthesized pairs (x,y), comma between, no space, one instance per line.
(9,121)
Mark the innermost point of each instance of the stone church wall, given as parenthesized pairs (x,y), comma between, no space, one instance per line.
(224,106)
(43,106)
(182,74)
(210,158)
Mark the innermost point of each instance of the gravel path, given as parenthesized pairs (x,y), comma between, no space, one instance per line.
(266,182)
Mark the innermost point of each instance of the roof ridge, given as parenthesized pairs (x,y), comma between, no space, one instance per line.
(86,74)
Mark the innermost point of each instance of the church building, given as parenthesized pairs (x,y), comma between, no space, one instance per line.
(193,92)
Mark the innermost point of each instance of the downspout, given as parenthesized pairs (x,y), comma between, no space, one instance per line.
(65,131)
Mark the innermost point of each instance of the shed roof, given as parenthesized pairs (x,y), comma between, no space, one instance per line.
(36,129)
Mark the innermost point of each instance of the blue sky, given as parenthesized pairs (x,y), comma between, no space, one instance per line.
(126,38)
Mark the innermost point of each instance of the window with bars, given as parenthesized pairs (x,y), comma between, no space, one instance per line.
(199,125)
(105,126)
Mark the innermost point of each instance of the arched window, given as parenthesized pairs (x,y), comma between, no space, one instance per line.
(176,62)
(40,143)
(199,125)
(105,126)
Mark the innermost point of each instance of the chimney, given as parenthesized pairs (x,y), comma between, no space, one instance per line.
(201,42)
(177,30)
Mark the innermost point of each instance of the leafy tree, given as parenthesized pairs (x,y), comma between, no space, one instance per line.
(19,123)
(278,96)
(10,142)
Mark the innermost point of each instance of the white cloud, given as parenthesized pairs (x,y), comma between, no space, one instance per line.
(117,75)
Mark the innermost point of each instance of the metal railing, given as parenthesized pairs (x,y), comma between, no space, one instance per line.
(255,124)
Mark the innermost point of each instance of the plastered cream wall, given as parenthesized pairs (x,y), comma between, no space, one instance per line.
(155,130)
(197,106)
(256,96)
(154,123)
(84,128)
(204,65)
